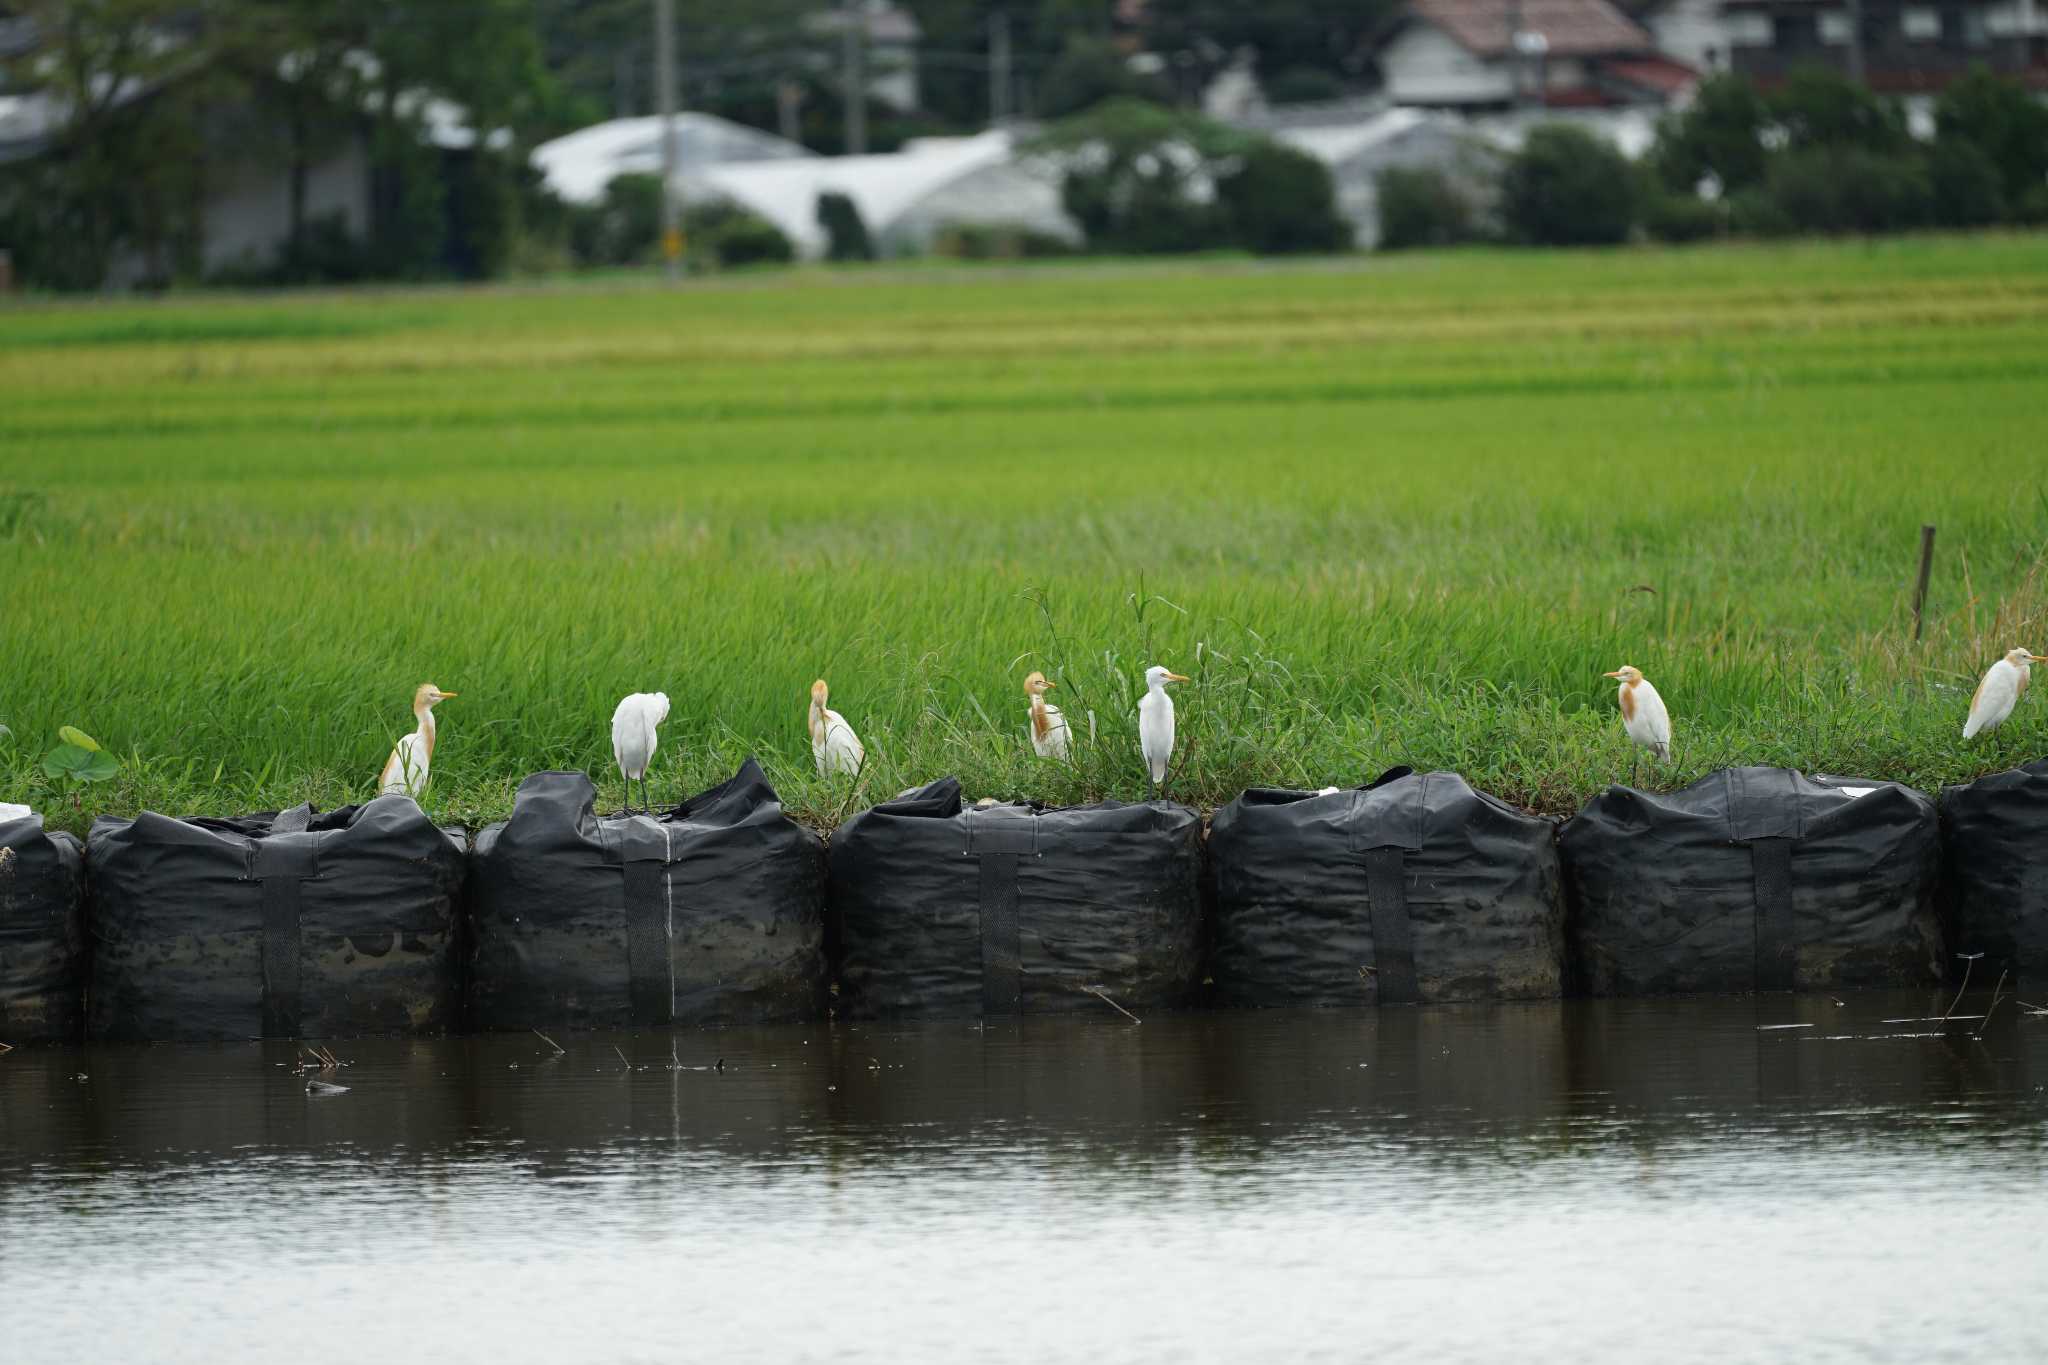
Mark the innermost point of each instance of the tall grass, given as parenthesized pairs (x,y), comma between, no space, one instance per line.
(1380,515)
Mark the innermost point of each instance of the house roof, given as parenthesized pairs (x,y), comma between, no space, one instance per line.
(1570,28)
(579,165)
(1655,72)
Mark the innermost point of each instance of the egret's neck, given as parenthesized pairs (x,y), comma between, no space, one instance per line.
(426,717)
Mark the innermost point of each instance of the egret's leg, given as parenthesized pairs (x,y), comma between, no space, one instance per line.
(1632,762)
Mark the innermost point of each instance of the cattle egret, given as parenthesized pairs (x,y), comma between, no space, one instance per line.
(1048,726)
(2000,691)
(10,811)
(1155,725)
(833,742)
(405,772)
(1643,715)
(633,727)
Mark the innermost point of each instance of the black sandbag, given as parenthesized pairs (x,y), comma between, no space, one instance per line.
(1995,845)
(296,924)
(944,909)
(712,912)
(1754,879)
(42,934)
(1415,888)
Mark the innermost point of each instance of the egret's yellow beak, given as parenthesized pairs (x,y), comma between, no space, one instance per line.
(446,695)
(1049,684)
(2039,659)
(1175,677)
(1615,674)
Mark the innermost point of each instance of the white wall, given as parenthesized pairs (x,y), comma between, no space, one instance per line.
(1692,31)
(1424,66)
(248,210)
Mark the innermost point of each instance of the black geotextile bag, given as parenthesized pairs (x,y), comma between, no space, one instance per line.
(951,910)
(712,912)
(42,934)
(1754,879)
(289,925)
(1995,846)
(1415,888)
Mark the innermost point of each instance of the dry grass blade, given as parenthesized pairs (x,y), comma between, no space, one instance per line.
(559,1049)
(1103,996)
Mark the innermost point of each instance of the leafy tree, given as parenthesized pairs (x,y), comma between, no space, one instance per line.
(1280,201)
(1720,134)
(1141,178)
(1089,71)
(2004,123)
(845,230)
(1819,108)
(1567,187)
(1420,206)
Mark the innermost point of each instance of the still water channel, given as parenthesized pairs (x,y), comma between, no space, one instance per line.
(1729,1179)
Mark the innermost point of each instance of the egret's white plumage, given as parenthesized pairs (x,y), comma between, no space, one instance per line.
(1048,726)
(1155,723)
(2000,691)
(1642,712)
(10,811)
(833,743)
(405,772)
(633,737)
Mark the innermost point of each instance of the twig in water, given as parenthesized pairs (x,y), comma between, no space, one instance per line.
(559,1049)
(622,1056)
(1103,996)
(6,1048)
(2029,1008)
(1969,962)
(1988,1009)
(675,1063)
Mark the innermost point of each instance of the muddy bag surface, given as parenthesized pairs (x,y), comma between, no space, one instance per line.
(950,910)
(1754,879)
(1415,888)
(42,934)
(293,925)
(1995,847)
(710,912)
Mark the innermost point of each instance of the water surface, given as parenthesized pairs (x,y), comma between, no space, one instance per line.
(1670,1180)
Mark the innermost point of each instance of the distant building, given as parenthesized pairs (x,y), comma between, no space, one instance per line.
(1480,54)
(1905,49)
(890,35)
(1356,144)
(906,198)
(577,166)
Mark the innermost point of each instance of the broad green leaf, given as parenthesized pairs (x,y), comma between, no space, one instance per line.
(71,734)
(70,762)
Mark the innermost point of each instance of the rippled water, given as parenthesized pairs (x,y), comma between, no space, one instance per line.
(1673,1180)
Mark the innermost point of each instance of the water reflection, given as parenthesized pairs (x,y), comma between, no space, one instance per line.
(887,1191)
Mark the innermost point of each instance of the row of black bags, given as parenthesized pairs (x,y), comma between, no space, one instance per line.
(1415,888)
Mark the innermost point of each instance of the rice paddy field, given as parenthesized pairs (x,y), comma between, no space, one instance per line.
(1385,510)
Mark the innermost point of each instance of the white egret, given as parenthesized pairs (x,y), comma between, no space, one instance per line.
(833,742)
(1643,714)
(2000,691)
(633,738)
(405,772)
(1155,725)
(1048,726)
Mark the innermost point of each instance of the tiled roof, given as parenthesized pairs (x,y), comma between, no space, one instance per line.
(1571,28)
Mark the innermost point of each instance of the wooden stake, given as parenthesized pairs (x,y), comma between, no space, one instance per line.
(1926,568)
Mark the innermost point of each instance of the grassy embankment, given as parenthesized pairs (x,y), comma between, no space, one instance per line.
(1384,511)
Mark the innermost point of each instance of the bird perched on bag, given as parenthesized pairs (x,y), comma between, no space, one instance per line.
(1048,726)
(2000,691)
(1643,714)
(833,742)
(633,738)
(1155,725)
(405,772)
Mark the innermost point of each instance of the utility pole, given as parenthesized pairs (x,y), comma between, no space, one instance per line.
(998,68)
(854,75)
(1856,41)
(665,81)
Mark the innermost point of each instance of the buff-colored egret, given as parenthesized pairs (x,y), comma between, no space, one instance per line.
(2003,684)
(633,739)
(405,772)
(1048,726)
(1643,715)
(833,743)
(1155,726)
